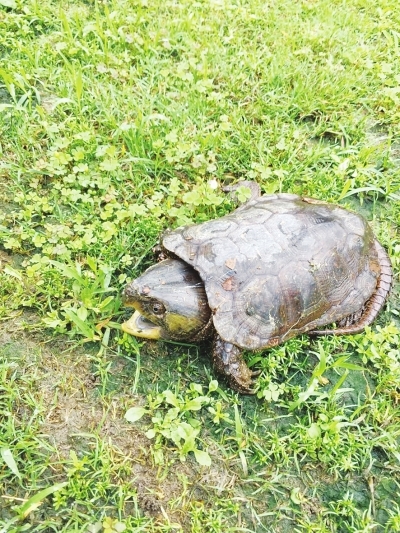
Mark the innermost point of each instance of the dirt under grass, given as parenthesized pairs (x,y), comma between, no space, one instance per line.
(74,419)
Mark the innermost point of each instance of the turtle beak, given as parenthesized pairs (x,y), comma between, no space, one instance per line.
(139,326)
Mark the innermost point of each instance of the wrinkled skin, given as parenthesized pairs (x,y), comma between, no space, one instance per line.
(276,267)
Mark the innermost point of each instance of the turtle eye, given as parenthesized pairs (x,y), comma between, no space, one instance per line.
(158,309)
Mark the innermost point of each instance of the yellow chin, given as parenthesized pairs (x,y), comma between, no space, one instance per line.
(138,326)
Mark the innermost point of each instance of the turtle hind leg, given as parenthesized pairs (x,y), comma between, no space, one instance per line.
(228,361)
(252,185)
(356,322)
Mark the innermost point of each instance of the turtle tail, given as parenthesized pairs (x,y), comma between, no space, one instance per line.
(373,306)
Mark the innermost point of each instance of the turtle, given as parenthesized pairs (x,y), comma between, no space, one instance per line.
(278,266)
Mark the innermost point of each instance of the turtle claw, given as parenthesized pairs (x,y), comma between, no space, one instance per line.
(249,392)
(247,385)
(240,385)
(244,387)
(228,361)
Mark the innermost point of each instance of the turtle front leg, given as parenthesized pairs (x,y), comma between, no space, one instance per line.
(228,361)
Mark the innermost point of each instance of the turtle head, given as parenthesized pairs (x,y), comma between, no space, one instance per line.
(170,302)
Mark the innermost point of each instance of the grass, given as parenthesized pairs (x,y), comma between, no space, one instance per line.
(120,119)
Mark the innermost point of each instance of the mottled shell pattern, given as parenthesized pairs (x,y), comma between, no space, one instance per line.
(280,265)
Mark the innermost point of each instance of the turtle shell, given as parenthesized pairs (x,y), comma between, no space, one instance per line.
(280,265)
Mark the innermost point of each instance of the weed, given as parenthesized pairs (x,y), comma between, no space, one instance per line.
(119,120)
(177,423)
